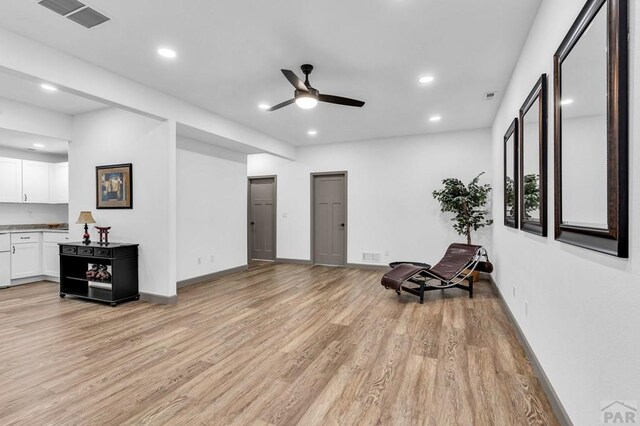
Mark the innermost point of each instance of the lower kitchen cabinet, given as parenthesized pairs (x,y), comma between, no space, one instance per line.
(25,260)
(50,260)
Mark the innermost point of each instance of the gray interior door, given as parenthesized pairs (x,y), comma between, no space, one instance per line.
(262,216)
(329,216)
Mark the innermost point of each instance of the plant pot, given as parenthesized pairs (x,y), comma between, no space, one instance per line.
(474,274)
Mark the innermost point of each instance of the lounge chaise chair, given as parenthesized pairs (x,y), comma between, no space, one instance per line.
(457,266)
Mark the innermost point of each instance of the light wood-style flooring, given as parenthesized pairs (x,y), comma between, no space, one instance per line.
(279,344)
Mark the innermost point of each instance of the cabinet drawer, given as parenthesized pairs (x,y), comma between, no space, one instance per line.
(85,251)
(55,237)
(26,237)
(69,250)
(102,252)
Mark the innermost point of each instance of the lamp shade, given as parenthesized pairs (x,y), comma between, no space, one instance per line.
(85,217)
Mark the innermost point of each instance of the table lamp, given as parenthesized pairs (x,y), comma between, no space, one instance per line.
(85,217)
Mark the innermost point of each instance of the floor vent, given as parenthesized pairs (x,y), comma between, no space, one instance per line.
(371,257)
(76,11)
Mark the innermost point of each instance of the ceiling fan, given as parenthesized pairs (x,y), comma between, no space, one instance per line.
(306,97)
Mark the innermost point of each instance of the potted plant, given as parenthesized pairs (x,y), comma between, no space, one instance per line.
(467,202)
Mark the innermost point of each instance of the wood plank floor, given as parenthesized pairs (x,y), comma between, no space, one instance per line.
(279,344)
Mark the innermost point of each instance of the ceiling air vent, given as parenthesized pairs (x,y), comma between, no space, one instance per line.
(88,17)
(489,96)
(76,11)
(63,7)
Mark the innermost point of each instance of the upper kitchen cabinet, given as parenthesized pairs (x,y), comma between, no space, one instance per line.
(10,180)
(35,182)
(59,183)
(23,181)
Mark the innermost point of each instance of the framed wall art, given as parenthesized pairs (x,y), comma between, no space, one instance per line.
(114,187)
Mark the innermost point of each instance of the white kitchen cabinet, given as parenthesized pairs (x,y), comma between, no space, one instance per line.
(59,183)
(35,182)
(10,180)
(5,260)
(50,260)
(50,251)
(25,260)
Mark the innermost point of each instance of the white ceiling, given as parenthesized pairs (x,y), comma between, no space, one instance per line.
(19,140)
(29,92)
(230,53)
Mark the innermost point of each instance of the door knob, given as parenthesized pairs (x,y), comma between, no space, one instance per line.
(342,224)
(253,223)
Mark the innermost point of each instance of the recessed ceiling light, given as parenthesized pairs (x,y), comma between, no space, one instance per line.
(165,52)
(49,87)
(426,79)
(312,132)
(38,145)
(566,102)
(435,118)
(264,106)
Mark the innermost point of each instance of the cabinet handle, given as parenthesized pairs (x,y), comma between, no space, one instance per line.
(25,197)
(14,249)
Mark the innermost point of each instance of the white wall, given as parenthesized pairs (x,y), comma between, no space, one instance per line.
(212,209)
(113,136)
(390,207)
(583,306)
(37,121)
(27,214)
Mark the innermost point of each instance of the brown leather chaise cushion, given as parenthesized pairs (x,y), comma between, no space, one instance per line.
(456,257)
(395,277)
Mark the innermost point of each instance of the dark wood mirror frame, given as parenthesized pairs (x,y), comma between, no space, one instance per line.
(511,222)
(539,92)
(615,239)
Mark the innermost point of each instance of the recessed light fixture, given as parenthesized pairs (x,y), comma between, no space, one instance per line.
(566,102)
(165,52)
(435,118)
(312,132)
(49,87)
(426,79)
(38,145)
(264,107)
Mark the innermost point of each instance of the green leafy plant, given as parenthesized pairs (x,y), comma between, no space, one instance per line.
(467,202)
(531,194)
(510,197)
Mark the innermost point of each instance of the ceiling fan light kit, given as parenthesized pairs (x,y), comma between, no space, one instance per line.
(306,97)
(305,100)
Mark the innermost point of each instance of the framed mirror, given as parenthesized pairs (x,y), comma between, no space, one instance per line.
(591,121)
(511,188)
(533,160)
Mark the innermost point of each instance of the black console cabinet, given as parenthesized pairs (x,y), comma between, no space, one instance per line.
(120,260)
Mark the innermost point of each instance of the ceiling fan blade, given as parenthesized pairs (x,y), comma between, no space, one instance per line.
(340,100)
(293,79)
(281,104)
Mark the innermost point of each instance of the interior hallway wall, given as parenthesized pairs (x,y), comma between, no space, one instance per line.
(212,209)
(114,136)
(390,207)
(583,315)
